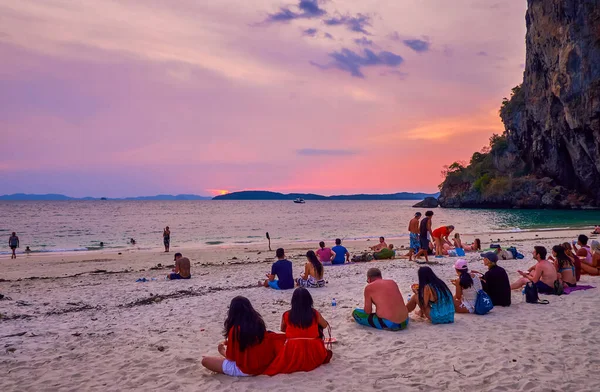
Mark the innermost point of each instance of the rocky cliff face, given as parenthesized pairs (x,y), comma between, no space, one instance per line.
(553,120)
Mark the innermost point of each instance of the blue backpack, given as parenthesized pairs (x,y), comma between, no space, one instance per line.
(483,303)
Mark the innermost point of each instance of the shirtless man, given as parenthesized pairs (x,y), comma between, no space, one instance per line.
(413,229)
(391,312)
(182,268)
(380,245)
(424,229)
(542,274)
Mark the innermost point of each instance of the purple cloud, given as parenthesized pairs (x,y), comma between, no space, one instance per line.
(418,45)
(308,9)
(352,62)
(309,32)
(363,41)
(353,23)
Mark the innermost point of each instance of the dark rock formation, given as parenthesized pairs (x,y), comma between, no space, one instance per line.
(428,202)
(552,121)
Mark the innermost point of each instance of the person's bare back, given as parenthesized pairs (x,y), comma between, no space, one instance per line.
(183,267)
(386,296)
(413,226)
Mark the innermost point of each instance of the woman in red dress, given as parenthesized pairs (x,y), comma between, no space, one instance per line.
(249,348)
(304,349)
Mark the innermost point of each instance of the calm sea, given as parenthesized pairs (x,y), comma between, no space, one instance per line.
(82,225)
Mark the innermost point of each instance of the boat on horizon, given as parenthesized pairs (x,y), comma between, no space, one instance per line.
(299,201)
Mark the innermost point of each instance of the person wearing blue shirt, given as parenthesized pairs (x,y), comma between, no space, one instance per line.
(282,269)
(341,253)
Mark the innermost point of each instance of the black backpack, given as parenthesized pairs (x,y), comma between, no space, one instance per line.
(531,295)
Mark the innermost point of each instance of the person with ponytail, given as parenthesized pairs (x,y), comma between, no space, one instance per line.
(313,272)
(467,286)
(564,266)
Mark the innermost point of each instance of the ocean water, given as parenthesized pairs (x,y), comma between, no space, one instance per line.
(82,225)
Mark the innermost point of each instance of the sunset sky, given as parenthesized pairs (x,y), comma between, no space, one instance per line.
(123,98)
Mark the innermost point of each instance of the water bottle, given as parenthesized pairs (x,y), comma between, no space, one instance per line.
(333,302)
(408,298)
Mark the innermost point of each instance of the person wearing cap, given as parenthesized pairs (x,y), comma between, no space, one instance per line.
(467,286)
(495,281)
(182,268)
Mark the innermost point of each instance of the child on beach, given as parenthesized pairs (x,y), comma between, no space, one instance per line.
(248,348)
(304,349)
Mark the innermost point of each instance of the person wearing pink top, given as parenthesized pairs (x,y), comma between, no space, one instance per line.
(325,254)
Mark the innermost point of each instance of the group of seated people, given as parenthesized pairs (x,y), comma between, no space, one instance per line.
(249,349)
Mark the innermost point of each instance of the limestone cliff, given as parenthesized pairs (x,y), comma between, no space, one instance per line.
(550,155)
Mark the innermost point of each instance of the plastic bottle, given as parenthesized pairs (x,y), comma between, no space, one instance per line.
(334,303)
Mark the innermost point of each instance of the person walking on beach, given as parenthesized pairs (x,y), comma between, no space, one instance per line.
(390,313)
(167,238)
(413,229)
(424,230)
(13,242)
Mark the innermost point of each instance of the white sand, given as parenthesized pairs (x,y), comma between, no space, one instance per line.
(106,346)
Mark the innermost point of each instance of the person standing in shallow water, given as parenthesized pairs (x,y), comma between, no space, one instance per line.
(167,238)
(13,242)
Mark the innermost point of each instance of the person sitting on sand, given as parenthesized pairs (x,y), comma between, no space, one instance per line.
(564,265)
(576,261)
(390,313)
(457,241)
(584,252)
(248,349)
(594,267)
(495,281)
(379,246)
(182,268)
(313,272)
(340,254)
(385,253)
(413,229)
(542,274)
(304,349)
(596,230)
(325,254)
(282,269)
(27,249)
(440,237)
(467,286)
(433,298)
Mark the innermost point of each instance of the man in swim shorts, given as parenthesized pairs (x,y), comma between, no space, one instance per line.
(413,229)
(282,269)
(543,274)
(182,268)
(391,313)
(424,229)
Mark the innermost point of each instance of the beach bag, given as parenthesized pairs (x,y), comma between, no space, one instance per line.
(558,287)
(531,294)
(460,252)
(483,303)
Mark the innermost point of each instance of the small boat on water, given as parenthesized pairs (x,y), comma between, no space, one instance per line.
(299,201)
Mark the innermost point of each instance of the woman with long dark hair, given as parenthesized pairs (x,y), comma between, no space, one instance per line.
(467,286)
(576,261)
(564,266)
(313,272)
(304,349)
(433,298)
(248,348)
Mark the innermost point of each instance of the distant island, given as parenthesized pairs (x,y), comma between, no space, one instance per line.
(266,195)
(57,197)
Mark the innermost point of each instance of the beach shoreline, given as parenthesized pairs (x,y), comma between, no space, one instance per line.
(80,321)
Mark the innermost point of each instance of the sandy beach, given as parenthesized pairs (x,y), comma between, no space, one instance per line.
(80,322)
